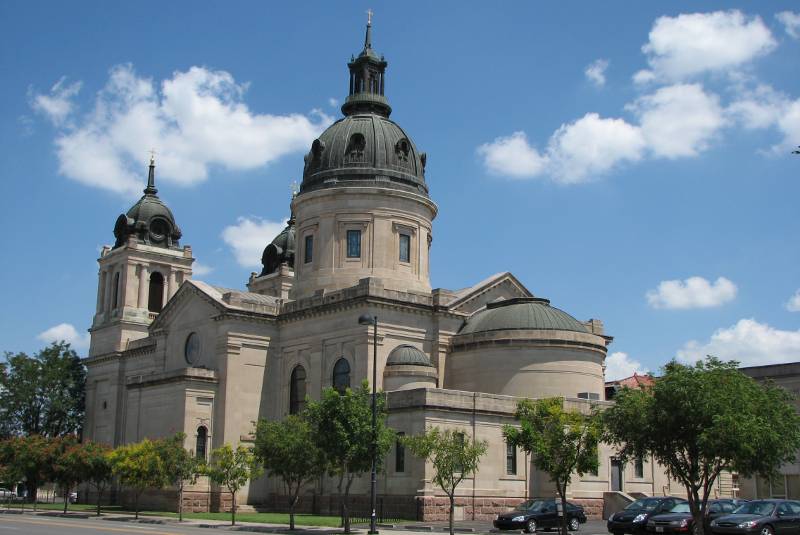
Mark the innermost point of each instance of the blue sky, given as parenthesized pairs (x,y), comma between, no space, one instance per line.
(630,161)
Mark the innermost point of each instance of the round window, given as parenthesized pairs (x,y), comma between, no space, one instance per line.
(192,349)
(158,229)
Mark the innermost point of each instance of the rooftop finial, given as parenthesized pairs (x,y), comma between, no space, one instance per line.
(368,37)
(151,176)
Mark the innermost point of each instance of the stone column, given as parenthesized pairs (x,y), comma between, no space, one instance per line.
(101,274)
(109,285)
(173,284)
(143,286)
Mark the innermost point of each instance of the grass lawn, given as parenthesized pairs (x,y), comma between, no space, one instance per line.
(266,518)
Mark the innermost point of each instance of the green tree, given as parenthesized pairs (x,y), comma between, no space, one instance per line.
(68,468)
(287,449)
(342,427)
(180,466)
(28,458)
(43,394)
(698,420)
(139,466)
(453,457)
(97,459)
(561,442)
(232,469)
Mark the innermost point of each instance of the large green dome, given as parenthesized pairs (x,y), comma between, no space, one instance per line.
(521,313)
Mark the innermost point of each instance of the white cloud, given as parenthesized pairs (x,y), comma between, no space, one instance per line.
(643,77)
(248,238)
(679,120)
(596,72)
(591,146)
(791,23)
(65,332)
(58,104)
(195,119)
(762,107)
(200,270)
(694,292)
(690,44)
(512,156)
(620,366)
(793,304)
(749,342)
(333,102)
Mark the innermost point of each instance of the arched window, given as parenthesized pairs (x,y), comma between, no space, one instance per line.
(297,390)
(155,301)
(341,375)
(116,290)
(202,439)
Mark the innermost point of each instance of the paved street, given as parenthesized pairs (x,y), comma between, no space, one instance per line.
(41,524)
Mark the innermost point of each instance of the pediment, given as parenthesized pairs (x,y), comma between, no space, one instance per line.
(496,288)
(188,304)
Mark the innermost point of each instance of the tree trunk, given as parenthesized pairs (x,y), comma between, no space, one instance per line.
(452,510)
(180,503)
(66,498)
(292,502)
(563,494)
(233,508)
(99,499)
(136,505)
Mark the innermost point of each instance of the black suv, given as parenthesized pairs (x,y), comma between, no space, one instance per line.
(540,513)
(760,517)
(633,519)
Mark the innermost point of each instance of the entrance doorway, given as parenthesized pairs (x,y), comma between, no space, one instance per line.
(616,475)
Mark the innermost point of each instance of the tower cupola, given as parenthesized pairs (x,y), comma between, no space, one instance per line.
(149,220)
(367,80)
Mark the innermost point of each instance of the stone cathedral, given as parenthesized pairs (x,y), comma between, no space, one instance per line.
(170,353)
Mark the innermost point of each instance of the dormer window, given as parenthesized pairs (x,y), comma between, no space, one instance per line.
(356,147)
(402,149)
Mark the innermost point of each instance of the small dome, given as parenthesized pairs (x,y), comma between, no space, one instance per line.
(149,219)
(280,251)
(521,313)
(364,147)
(406,355)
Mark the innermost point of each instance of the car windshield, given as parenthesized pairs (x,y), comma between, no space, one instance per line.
(755,508)
(682,507)
(532,505)
(646,504)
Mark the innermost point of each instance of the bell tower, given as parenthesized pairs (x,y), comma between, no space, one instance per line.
(139,274)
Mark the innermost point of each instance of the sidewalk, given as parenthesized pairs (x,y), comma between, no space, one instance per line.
(592,527)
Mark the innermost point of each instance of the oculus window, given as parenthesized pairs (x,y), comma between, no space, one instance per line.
(341,375)
(191,351)
(353,244)
(405,248)
(308,254)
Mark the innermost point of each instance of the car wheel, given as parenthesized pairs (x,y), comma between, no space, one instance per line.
(574,524)
(767,530)
(530,527)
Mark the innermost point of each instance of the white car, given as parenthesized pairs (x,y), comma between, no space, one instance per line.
(5,494)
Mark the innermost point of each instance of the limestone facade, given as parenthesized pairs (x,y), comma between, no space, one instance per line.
(170,353)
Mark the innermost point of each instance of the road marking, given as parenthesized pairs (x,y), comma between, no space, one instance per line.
(96,528)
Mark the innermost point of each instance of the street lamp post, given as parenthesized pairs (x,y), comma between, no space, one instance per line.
(366,319)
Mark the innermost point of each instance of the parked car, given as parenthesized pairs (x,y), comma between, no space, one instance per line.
(633,519)
(679,519)
(763,517)
(6,494)
(540,513)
